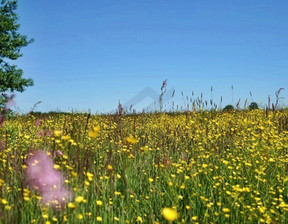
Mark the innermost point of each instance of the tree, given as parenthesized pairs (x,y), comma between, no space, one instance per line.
(11,42)
(228,107)
(253,106)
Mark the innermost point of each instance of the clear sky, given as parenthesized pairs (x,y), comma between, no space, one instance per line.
(91,54)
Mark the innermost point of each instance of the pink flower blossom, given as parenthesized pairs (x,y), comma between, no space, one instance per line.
(9,101)
(38,122)
(58,152)
(44,178)
(44,133)
(56,197)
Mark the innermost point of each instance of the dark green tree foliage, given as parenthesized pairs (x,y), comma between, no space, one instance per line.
(11,42)
(228,107)
(253,106)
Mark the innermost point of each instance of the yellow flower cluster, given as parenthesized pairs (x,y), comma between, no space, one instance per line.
(194,167)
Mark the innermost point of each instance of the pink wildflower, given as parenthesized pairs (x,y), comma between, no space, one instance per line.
(38,122)
(58,152)
(44,133)
(9,101)
(56,197)
(49,182)
(8,104)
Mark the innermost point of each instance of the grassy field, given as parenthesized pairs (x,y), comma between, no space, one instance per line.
(206,167)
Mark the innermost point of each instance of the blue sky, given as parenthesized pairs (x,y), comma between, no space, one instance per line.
(91,54)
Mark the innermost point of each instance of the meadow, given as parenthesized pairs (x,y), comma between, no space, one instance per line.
(192,167)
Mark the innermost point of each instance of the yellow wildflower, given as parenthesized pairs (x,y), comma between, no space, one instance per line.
(139,219)
(98,202)
(57,133)
(79,199)
(94,133)
(66,137)
(170,214)
(90,176)
(80,216)
(109,167)
(4,201)
(226,210)
(130,139)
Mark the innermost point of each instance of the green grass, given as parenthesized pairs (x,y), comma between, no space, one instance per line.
(212,167)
